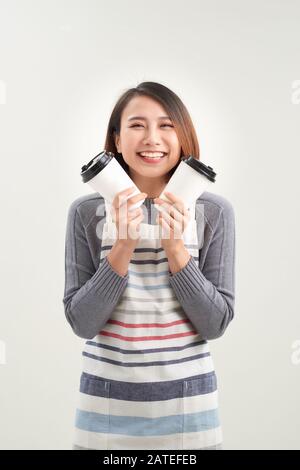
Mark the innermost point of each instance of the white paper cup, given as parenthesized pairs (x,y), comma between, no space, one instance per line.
(189,181)
(105,175)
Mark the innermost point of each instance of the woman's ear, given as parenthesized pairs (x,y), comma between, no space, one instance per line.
(117,142)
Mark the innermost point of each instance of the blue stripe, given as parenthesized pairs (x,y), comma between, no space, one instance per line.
(144,287)
(148,391)
(149,249)
(151,261)
(133,273)
(138,250)
(145,351)
(140,426)
(155,261)
(145,364)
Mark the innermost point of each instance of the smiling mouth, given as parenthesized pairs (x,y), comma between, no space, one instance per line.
(152,158)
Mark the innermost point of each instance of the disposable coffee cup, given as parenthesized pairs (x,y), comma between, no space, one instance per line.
(190,179)
(105,175)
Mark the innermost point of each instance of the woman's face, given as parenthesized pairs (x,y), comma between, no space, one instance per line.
(150,131)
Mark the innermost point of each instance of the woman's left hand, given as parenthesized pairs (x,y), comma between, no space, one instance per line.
(173,220)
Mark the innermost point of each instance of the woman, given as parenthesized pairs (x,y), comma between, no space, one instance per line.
(149,306)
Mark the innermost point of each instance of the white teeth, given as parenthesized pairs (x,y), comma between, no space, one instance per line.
(151,154)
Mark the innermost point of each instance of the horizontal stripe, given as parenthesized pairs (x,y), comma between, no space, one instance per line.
(145,351)
(144,363)
(172,371)
(145,287)
(154,261)
(137,351)
(148,292)
(147,409)
(147,338)
(141,299)
(147,392)
(181,328)
(142,275)
(163,281)
(150,249)
(198,440)
(166,356)
(137,250)
(160,311)
(150,344)
(141,317)
(148,325)
(140,426)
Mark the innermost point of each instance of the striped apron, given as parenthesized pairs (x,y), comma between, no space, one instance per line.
(148,378)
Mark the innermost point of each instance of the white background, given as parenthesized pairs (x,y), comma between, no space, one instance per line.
(234,64)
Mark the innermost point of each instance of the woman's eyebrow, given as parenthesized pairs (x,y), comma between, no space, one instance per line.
(145,119)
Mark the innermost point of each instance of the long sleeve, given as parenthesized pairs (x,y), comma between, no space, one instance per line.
(90,295)
(208,296)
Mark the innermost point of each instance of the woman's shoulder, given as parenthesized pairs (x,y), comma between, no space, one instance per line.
(214,199)
(86,206)
(213,205)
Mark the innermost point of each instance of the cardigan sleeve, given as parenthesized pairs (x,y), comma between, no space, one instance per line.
(90,295)
(208,296)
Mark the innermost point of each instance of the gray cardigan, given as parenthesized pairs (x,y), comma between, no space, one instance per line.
(205,291)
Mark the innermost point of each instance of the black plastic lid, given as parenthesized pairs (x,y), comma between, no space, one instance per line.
(200,167)
(97,164)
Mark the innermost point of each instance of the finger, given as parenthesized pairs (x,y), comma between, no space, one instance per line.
(170,209)
(136,219)
(134,226)
(127,202)
(174,224)
(133,199)
(165,229)
(122,196)
(172,196)
(126,209)
(126,224)
(134,213)
(125,217)
(175,232)
(176,201)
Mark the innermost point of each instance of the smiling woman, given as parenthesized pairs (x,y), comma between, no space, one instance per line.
(151,118)
(148,378)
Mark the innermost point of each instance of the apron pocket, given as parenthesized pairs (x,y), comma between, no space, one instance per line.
(92,413)
(201,427)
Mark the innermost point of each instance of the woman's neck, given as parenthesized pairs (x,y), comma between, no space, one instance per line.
(151,186)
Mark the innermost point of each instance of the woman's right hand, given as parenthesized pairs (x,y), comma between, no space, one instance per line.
(127,221)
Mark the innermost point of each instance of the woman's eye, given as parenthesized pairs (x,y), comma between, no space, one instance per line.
(135,125)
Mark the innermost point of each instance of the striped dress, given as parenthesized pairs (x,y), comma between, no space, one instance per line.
(148,378)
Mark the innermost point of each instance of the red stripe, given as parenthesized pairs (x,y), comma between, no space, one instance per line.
(147,325)
(147,338)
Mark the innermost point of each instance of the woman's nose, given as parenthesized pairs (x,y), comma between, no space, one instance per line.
(151,136)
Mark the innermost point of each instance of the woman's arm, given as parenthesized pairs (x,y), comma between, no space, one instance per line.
(208,296)
(90,295)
